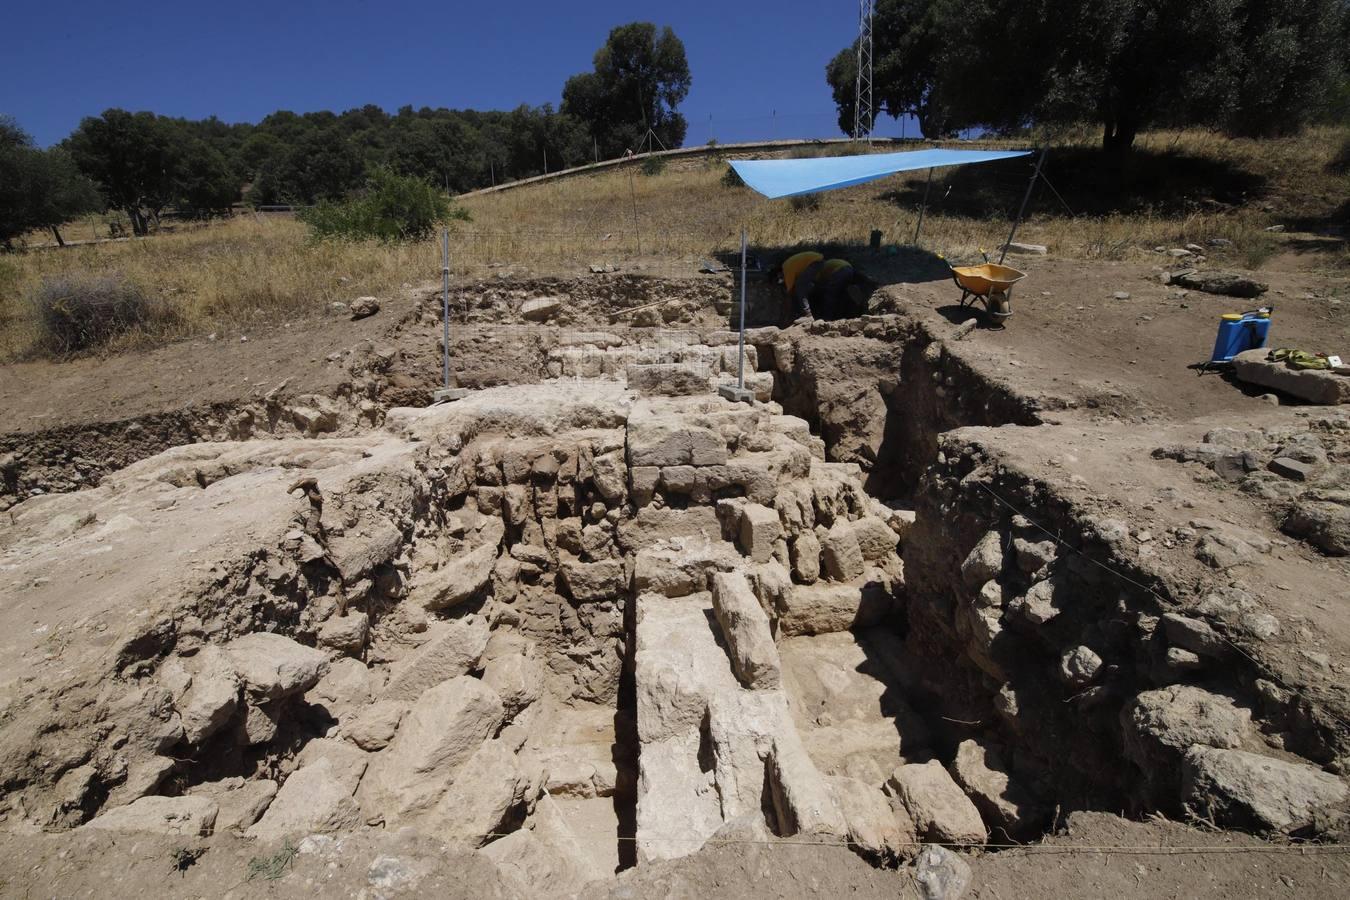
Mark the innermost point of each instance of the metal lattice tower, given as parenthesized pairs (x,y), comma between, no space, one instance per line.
(863,116)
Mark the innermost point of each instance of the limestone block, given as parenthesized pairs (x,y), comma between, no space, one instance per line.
(823,608)
(643,483)
(346,633)
(841,556)
(806,558)
(1078,666)
(456,580)
(802,800)
(212,697)
(444,728)
(452,649)
(660,439)
(759,529)
(180,816)
(875,538)
(985,561)
(940,809)
(589,582)
(272,666)
(873,827)
(1032,556)
(678,804)
(313,800)
(1160,725)
(346,762)
(609,474)
(490,792)
(518,679)
(983,775)
(745,627)
(1235,788)
(669,379)
(1315,386)
(374,727)
(241,803)
(357,550)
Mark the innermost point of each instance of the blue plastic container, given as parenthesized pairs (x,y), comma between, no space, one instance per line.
(1239,332)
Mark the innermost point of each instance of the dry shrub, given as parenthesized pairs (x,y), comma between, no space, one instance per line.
(78,311)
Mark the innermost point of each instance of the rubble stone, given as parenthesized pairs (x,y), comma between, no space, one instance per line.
(940,809)
(754,658)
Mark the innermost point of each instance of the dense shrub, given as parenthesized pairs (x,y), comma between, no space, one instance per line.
(391,207)
(805,202)
(654,165)
(732,179)
(82,312)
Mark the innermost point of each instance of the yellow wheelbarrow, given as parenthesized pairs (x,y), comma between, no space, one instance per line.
(990,284)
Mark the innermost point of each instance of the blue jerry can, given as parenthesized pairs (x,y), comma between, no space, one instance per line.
(1239,332)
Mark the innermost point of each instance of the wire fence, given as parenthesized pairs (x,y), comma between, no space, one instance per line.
(597,354)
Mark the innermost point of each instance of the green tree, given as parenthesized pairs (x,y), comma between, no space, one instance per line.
(38,188)
(133,159)
(640,76)
(1250,66)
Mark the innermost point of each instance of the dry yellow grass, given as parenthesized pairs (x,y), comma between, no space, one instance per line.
(250,269)
(229,274)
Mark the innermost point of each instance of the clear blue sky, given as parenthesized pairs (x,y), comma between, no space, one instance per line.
(758,67)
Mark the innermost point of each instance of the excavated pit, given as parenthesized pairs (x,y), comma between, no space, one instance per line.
(582,626)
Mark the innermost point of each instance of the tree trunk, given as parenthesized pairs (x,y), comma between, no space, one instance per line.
(138,225)
(57,232)
(1118,134)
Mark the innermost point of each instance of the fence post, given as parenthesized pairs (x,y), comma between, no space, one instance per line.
(446,392)
(737,393)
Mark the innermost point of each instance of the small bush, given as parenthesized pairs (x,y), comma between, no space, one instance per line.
(82,312)
(391,208)
(654,165)
(732,179)
(805,202)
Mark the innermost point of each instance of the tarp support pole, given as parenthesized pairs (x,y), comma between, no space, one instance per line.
(740,360)
(1040,160)
(923,206)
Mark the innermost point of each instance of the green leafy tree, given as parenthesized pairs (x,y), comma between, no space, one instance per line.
(38,188)
(640,76)
(133,159)
(1250,66)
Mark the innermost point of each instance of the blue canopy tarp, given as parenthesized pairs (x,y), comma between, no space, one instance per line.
(788,177)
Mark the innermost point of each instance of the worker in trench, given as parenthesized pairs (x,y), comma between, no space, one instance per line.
(823,288)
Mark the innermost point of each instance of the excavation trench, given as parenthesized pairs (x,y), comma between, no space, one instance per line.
(588,624)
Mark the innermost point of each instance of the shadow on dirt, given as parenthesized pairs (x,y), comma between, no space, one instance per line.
(1087,181)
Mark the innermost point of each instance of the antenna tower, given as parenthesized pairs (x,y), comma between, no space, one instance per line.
(863,115)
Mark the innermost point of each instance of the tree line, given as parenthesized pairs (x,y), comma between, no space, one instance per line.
(1254,68)
(143,164)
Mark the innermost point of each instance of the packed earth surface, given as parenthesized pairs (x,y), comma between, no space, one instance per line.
(940,610)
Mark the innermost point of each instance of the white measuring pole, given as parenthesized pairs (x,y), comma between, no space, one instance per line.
(740,360)
(445,307)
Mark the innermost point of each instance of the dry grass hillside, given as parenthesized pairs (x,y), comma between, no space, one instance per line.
(1178,187)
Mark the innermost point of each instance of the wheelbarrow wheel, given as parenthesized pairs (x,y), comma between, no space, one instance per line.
(1000,304)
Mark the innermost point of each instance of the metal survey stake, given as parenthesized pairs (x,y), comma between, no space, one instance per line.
(737,393)
(740,360)
(446,392)
(445,306)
